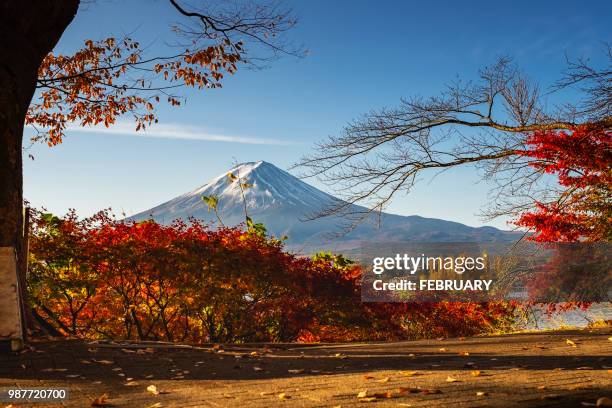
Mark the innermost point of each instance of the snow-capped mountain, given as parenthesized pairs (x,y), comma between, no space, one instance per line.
(285,205)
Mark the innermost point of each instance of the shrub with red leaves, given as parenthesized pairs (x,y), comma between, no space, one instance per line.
(101,278)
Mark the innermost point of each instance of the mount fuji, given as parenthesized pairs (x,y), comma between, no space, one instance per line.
(285,205)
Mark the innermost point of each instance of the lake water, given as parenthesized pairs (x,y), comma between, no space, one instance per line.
(572,318)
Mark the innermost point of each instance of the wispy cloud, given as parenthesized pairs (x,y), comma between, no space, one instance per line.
(177,131)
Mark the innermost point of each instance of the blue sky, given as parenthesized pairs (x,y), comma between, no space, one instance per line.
(363,55)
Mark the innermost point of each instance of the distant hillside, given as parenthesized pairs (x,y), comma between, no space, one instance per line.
(284,203)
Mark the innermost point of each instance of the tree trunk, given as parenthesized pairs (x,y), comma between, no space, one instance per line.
(29,29)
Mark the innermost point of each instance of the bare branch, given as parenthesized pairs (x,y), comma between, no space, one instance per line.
(595,84)
(482,123)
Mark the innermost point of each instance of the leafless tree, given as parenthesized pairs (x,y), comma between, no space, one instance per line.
(482,123)
(595,84)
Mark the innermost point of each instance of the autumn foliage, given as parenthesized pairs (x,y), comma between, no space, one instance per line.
(581,159)
(110,78)
(101,278)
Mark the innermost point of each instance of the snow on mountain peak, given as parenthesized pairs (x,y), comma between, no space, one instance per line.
(265,188)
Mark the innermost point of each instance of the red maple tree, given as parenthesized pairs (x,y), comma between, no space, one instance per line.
(581,159)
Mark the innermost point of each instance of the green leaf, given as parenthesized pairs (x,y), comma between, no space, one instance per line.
(211,201)
(258,229)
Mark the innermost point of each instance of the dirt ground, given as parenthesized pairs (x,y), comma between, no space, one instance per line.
(555,369)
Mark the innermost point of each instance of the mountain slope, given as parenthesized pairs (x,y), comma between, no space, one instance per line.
(284,203)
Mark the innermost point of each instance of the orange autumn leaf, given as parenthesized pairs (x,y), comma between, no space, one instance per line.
(101,401)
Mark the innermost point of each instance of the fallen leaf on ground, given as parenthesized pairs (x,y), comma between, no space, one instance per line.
(283,396)
(481,394)
(362,394)
(128,350)
(105,362)
(257,369)
(475,373)
(383,380)
(452,379)
(409,373)
(152,389)
(442,349)
(100,401)
(131,383)
(464,353)
(264,393)
(570,343)
(603,402)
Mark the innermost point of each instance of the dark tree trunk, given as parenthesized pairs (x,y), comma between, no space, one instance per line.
(29,29)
